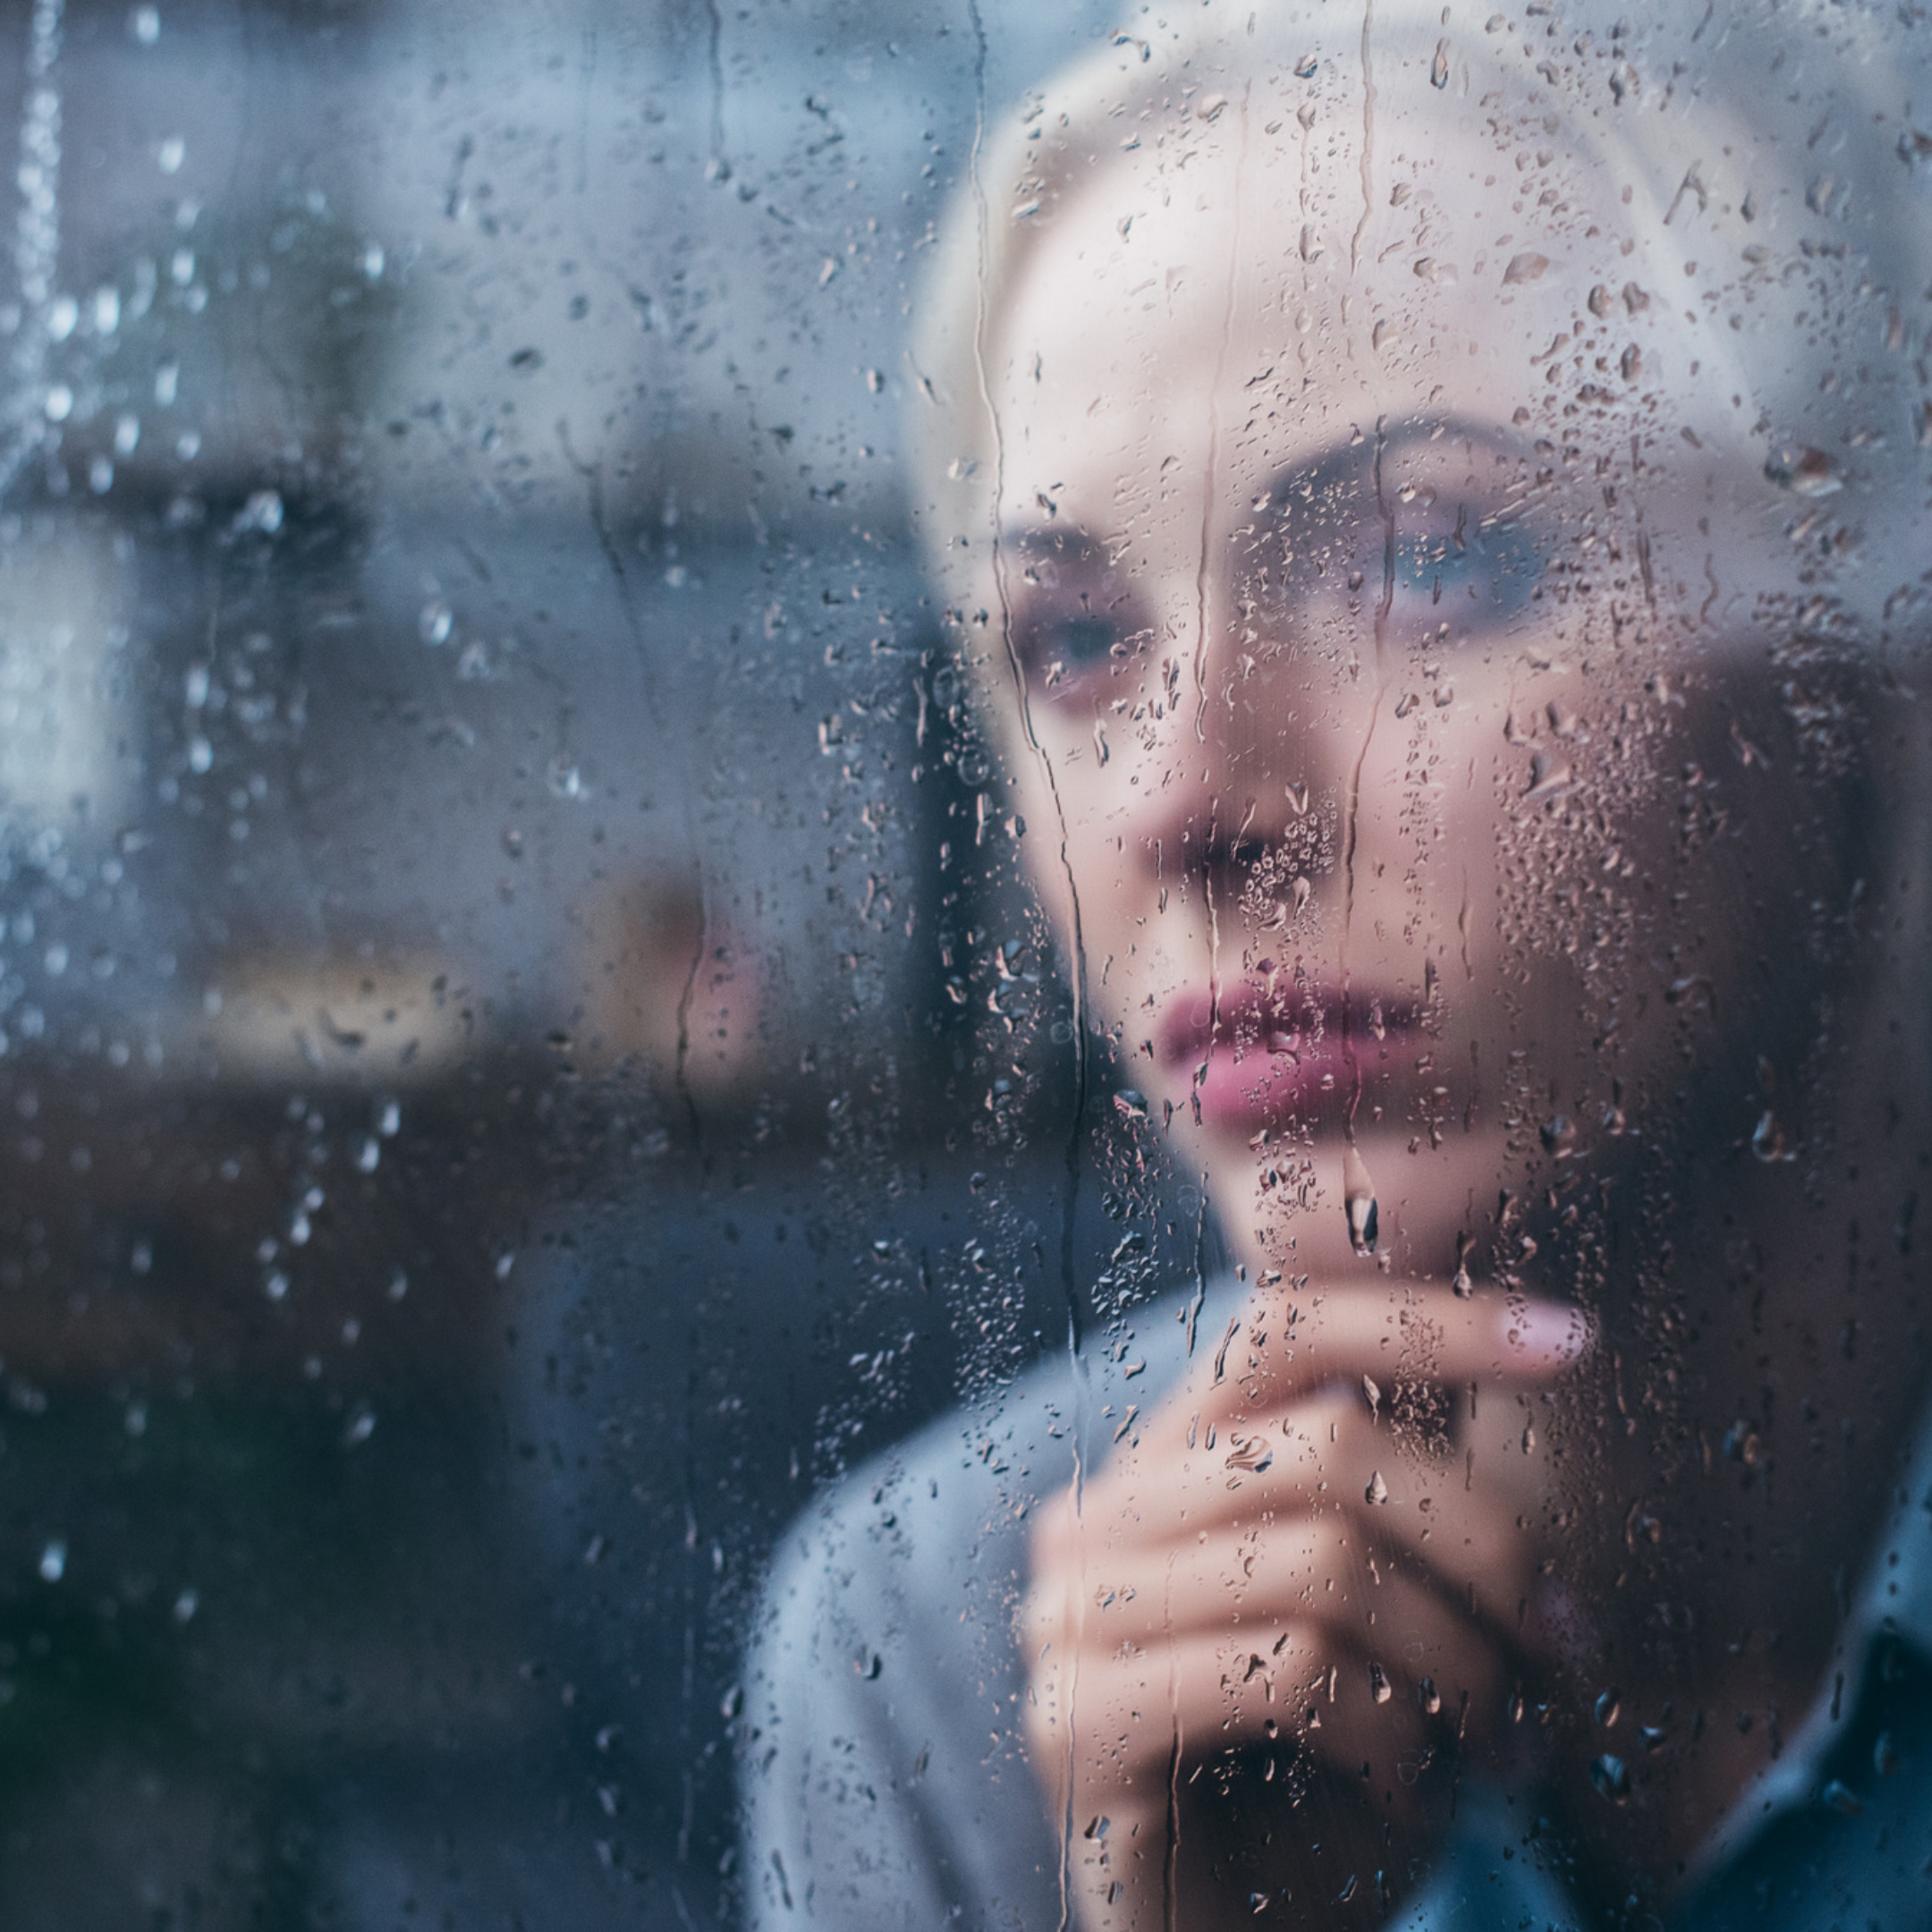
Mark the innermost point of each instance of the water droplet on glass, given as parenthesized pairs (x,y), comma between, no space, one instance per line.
(200,755)
(63,315)
(1439,67)
(1358,1201)
(1608,1707)
(1550,777)
(262,511)
(53,1561)
(564,780)
(1610,1778)
(1528,267)
(127,435)
(1378,1684)
(1305,67)
(1884,1755)
(145,23)
(1132,1103)
(1377,1490)
(434,623)
(59,403)
(1842,1797)
(1803,470)
(166,385)
(1429,1697)
(1767,1140)
(1372,1395)
(170,156)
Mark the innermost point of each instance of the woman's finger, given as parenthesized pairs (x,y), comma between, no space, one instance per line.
(1342,1695)
(1329,1456)
(1342,1343)
(1297,1588)
(1289,1347)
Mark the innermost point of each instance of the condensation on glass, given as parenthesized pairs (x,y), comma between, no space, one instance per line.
(963,964)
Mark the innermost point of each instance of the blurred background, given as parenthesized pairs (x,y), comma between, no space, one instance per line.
(521,1048)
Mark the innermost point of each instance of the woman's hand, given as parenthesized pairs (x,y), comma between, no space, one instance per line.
(1274,1560)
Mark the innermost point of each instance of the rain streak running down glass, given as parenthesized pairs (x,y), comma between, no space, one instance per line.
(964,965)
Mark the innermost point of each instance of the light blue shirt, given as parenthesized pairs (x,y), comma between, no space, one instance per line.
(886,1785)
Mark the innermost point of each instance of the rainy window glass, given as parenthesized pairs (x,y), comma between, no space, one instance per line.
(965,964)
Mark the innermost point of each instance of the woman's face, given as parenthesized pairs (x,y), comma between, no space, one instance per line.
(1399,636)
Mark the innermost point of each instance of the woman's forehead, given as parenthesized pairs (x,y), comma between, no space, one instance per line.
(1206,284)
(1185,299)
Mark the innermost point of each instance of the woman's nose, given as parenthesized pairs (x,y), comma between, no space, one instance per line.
(1264,778)
(1276,738)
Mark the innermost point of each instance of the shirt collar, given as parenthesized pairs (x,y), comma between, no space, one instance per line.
(1894,1599)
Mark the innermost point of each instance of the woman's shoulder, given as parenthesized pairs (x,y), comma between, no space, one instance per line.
(954,1500)
(915,1520)
(884,1774)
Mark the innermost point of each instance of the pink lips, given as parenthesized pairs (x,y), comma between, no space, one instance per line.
(1269,1055)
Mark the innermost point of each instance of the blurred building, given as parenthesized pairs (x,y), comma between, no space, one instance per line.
(519,1051)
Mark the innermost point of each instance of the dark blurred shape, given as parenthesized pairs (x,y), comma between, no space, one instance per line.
(522,1050)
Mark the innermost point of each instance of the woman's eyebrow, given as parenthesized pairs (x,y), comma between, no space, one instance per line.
(1352,464)
(1034,542)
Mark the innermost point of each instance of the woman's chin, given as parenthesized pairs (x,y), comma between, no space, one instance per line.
(1291,1201)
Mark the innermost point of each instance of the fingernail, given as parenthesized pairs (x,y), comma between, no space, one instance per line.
(1555,1329)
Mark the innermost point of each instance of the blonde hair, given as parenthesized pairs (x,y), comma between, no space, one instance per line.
(1765,158)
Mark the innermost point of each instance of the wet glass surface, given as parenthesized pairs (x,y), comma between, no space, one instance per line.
(961,963)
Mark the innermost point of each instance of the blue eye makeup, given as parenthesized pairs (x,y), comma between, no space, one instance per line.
(1466,546)
(1077,641)
(1072,616)
(1483,575)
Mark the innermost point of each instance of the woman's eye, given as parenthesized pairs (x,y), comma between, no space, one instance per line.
(1495,570)
(1059,644)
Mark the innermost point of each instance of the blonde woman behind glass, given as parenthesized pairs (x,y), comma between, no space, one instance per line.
(1434,509)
